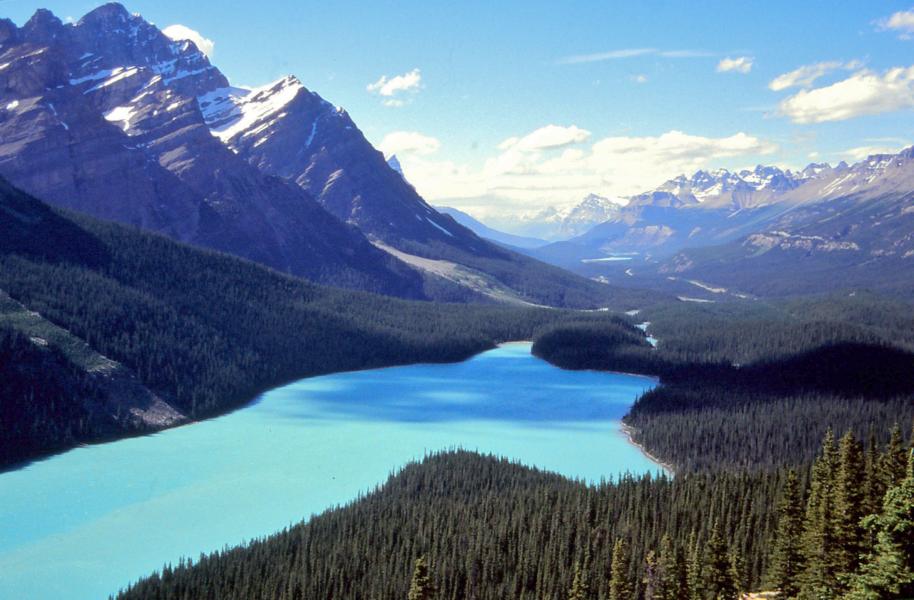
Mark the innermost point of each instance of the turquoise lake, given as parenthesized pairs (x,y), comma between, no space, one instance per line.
(85,523)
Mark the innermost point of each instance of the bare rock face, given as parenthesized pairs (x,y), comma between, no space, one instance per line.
(286,130)
(102,117)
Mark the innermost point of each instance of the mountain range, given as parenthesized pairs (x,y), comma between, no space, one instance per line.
(765,230)
(554,224)
(111,117)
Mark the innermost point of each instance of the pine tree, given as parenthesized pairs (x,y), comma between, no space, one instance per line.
(620,586)
(669,577)
(888,572)
(894,459)
(580,588)
(717,573)
(872,483)
(682,577)
(421,586)
(693,568)
(651,577)
(786,557)
(819,577)
(849,506)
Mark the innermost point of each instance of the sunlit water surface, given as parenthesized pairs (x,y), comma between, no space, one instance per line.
(85,523)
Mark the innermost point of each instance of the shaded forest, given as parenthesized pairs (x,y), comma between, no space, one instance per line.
(754,385)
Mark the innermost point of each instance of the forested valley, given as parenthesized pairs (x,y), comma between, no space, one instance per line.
(749,391)
(206,332)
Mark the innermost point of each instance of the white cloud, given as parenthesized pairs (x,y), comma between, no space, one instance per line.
(388,88)
(630,53)
(740,64)
(402,142)
(863,93)
(553,166)
(544,138)
(901,21)
(640,78)
(182,32)
(861,152)
(601,56)
(806,75)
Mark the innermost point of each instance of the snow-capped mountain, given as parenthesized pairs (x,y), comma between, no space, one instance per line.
(553,223)
(111,117)
(816,227)
(101,116)
(850,226)
(286,130)
(592,210)
(723,189)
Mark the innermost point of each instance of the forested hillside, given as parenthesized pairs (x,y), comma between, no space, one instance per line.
(754,385)
(204,331)
(487,528)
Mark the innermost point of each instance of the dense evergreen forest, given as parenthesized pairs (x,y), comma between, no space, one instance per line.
(204,331)
(486,528)
(754,385)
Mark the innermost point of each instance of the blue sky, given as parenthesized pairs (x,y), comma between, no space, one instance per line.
(512,106)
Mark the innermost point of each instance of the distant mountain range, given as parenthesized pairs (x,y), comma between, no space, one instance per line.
(111,117)
(766,230)
(554,224)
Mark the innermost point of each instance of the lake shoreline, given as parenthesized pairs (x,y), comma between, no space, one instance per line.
(338,437)
(629,432)
(226,410)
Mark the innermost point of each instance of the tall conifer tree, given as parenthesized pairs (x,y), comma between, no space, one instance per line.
(786,556)
(620,586)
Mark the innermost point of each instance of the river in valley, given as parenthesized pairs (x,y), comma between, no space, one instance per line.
(83,524)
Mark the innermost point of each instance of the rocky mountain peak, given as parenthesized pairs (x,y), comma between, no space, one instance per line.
(394,164)
(43,28)
(111,13)
(8,31)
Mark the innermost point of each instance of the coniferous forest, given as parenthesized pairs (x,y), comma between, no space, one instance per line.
(480,527)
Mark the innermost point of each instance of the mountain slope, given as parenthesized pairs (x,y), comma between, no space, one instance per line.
(286,130)
(101,116)
(846,243)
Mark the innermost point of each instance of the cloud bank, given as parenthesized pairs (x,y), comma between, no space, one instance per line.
(556,164)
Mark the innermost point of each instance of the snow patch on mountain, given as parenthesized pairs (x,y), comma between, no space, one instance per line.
(231,111)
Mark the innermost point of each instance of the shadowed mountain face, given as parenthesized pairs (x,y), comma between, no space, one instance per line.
(102,117)
(111,117)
